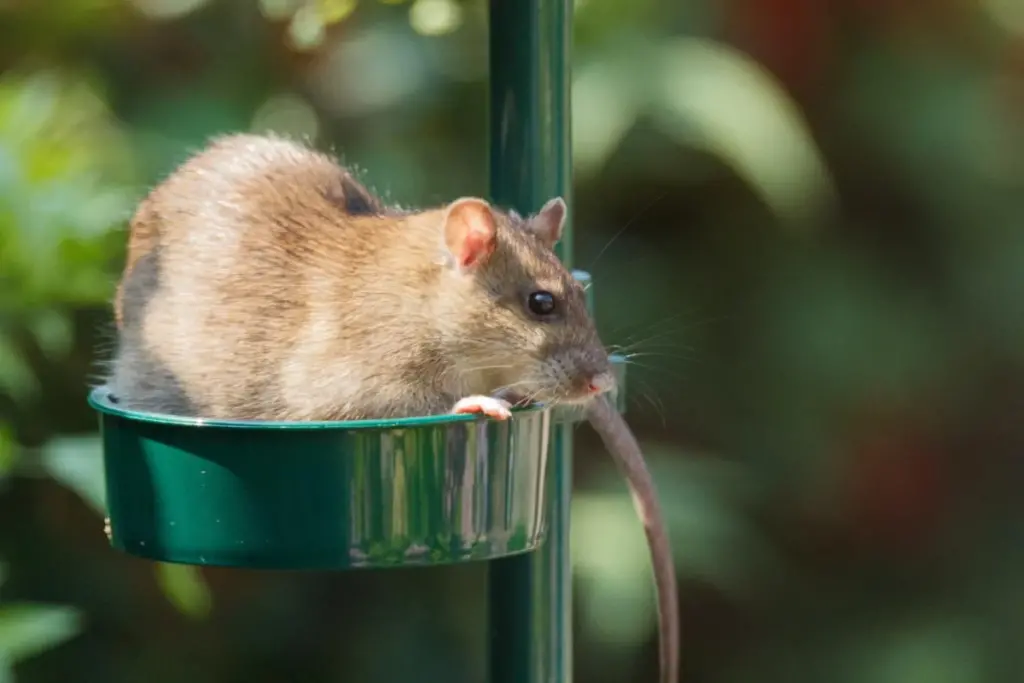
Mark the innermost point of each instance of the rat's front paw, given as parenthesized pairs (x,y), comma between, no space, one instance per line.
(106,528)
(497,408)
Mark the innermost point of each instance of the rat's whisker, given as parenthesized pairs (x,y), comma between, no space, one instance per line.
(511,389)
(670,326)
(631,357)
(531,397)
(647,394)
(513,385)
(481,368)
(622,230)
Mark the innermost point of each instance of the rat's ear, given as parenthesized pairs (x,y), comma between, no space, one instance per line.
(549,221)
(352,198)
(470,231)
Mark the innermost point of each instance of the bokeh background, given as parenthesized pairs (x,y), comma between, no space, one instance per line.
(806,223)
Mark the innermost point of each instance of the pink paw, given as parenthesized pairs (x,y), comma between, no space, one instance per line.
(492,407)
(106,528)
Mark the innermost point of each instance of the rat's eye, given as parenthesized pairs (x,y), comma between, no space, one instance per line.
(541,303)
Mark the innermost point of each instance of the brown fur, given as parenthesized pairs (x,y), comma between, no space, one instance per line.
(263,282)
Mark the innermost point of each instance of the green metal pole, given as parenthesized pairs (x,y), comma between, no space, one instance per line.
(531,156)
(530,162)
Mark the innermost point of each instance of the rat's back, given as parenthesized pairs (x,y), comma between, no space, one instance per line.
(216,288)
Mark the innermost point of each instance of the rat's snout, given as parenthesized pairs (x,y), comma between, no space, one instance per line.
(574,373)
(592,377)
(601,383)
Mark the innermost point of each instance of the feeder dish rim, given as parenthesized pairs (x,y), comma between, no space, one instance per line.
(103,401)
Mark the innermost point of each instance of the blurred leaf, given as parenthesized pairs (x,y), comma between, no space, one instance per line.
(279,10)
(185,587)
(63,166)
(77,463)
(28,629)
(307,29)
(33,26)
(606,103)
(715,98)
(935,651)
(52,331)
(16,377)
(333,11)
(8,451)
(611,562)
(168,10)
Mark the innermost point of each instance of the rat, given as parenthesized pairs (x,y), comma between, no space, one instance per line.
(263,281)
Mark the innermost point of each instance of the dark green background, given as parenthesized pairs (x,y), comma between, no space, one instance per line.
(804,220)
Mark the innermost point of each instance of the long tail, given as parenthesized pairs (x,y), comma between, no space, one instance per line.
(625,450)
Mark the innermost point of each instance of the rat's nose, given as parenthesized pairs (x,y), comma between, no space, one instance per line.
(601,383)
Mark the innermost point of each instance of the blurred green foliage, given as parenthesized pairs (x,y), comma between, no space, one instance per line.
(28,629)
(805,225)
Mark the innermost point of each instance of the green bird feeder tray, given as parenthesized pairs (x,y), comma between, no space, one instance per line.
(324,495)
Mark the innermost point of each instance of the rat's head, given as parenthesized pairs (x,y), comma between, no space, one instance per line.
(525,326)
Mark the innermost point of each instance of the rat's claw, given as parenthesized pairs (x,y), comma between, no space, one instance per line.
(497,408)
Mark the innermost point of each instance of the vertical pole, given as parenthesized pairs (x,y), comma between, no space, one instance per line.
(530,162)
